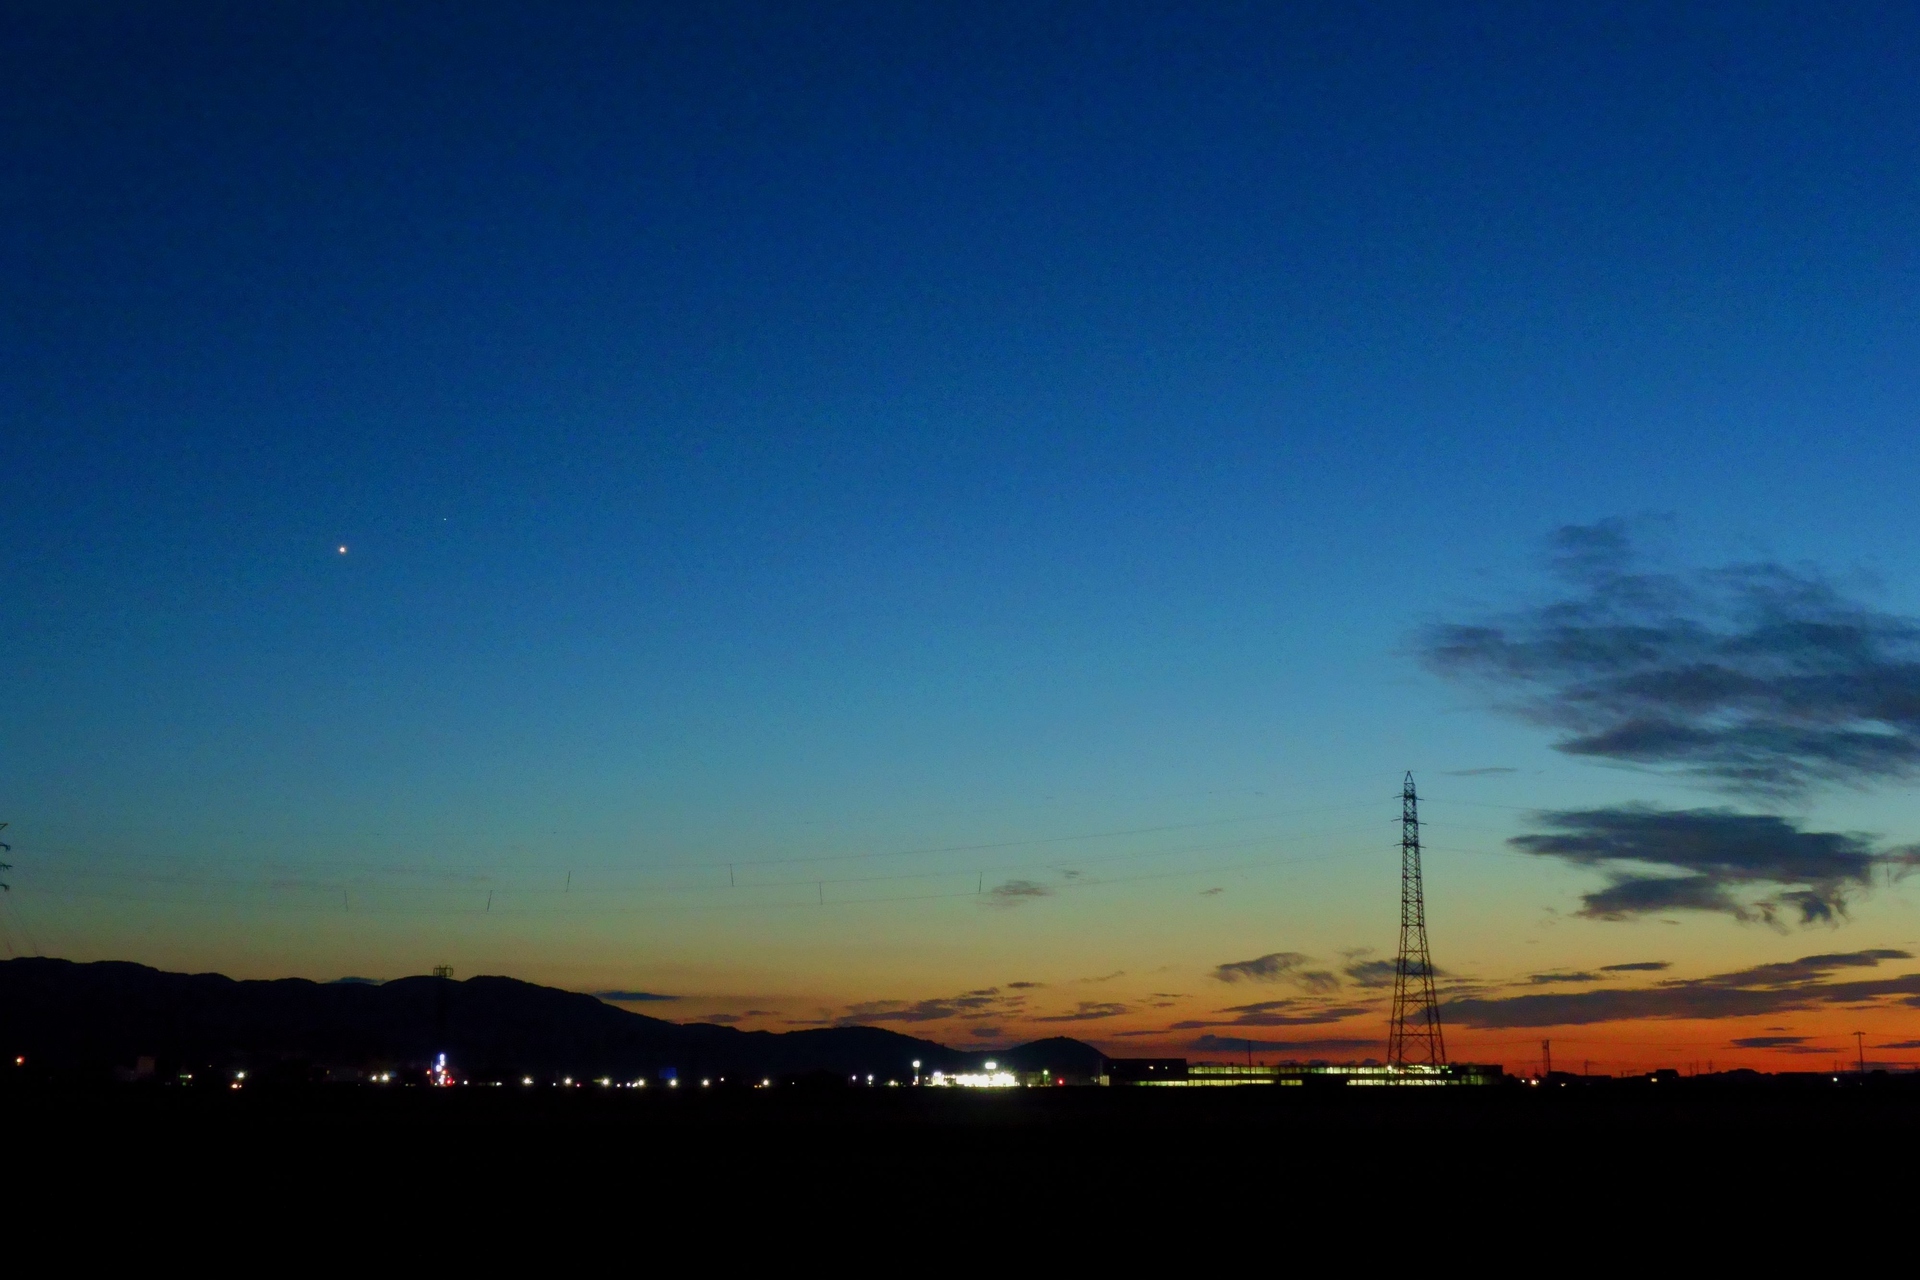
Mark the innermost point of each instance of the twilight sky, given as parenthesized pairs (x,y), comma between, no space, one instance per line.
(958,516)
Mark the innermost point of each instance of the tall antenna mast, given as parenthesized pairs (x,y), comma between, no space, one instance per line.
(1414,1035)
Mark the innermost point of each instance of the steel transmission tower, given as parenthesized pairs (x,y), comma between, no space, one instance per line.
(1415,1035)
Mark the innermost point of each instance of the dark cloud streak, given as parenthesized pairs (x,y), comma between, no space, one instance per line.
(1755,677)
(1724,859)
(1015,892)
(1765,989)
(1271,967)
(1089,1011)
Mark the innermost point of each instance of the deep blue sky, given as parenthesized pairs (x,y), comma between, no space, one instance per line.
(756,427)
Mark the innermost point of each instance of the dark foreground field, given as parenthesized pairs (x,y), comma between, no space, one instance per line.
(702,1155)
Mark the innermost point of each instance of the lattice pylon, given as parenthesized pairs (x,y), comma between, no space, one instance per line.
(1414,1036)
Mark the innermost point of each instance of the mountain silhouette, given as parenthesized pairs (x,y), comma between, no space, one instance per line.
(92,1020)
(1064,1056)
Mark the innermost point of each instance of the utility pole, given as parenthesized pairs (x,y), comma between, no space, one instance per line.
(5,866)
(1546,1056)
(1414,1033)
(1860,1043)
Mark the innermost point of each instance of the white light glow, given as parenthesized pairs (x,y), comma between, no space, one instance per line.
(975,1080)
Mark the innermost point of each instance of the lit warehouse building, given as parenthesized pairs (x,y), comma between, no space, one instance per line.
(1178,1073)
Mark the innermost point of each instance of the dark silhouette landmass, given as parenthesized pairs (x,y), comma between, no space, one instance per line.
(1069,1058)
(112,1017)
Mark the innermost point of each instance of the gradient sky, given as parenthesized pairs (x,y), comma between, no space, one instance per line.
(850,508)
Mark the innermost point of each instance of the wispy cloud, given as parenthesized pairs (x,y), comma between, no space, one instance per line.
(1279,966)
(1556,979)
(1770,1042)
(1756,677)
(1089,1011)
(632,997)
(987,1002)
(1271,967)
(1637,966)
(1376,974)
(1015,892)
(1746,865)
(1805,983)
(1291,1012)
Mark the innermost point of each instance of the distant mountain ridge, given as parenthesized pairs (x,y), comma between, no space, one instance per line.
(106,1016)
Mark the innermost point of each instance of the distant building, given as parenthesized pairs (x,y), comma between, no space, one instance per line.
(1178,1072)
(1146,1071)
